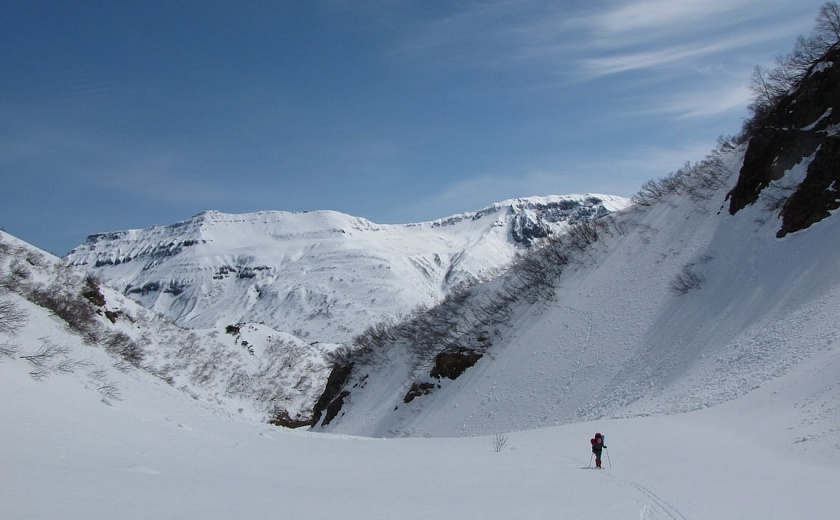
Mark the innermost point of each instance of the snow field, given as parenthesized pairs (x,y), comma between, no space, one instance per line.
(157,453)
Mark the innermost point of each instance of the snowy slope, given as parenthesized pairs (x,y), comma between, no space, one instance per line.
(620,340)
(249,369)
(321,275)
(67,453)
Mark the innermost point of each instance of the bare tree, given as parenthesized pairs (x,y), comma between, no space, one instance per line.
(768,86)
(828,24)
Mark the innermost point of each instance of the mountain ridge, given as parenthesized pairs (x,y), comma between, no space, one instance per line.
(322,275)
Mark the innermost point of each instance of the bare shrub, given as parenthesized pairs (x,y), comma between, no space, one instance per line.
(122,365)
(581,235)
(8,350)
(12,317)
(35,258)
(72,309)
(47,354)
(239,382)
(39,373)
(499,441)
(687,280)
(120,344)
(69,366)
(99,374)
(110,390)
(190,347)
(18,272)
(48,358)
(535,273)
(653,190)
(367,346)
(341,356)
(207,369)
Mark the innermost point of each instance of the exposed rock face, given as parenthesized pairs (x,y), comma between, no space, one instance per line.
(331,401)
(451,364)
(818,194)
(802,126)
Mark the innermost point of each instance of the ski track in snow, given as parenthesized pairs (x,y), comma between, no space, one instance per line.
(655,507)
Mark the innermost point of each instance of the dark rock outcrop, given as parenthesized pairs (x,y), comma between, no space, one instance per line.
(331,401)
(801,124)
(452,363)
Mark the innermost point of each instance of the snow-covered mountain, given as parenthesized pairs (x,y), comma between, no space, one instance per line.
(321,275)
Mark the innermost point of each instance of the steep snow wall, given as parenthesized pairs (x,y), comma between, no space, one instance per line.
(689,306)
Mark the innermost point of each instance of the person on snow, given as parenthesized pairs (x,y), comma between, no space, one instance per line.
(597,446)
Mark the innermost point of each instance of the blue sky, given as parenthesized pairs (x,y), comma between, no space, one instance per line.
(118,115)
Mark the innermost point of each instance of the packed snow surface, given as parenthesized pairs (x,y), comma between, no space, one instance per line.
(67,454)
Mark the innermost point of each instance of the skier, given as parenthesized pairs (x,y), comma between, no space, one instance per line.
(597,445)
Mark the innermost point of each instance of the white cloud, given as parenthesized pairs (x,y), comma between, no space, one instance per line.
(556,40)
(660,15)
(617,63)
(680,50)
(691,104)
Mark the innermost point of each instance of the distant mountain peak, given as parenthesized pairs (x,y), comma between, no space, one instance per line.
(323,274)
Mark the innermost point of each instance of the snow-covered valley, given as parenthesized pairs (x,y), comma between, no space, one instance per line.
(717,402)
(696,329)
(159,454)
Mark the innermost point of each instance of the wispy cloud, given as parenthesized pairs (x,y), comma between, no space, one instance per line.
(608,38)
(678,51)
(651,18)
(702,103)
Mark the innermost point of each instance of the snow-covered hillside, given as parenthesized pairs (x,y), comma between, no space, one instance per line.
(322,275)
(65,315)
(678,307)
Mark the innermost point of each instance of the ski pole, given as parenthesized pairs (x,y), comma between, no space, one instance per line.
(608,456)
(590,460)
